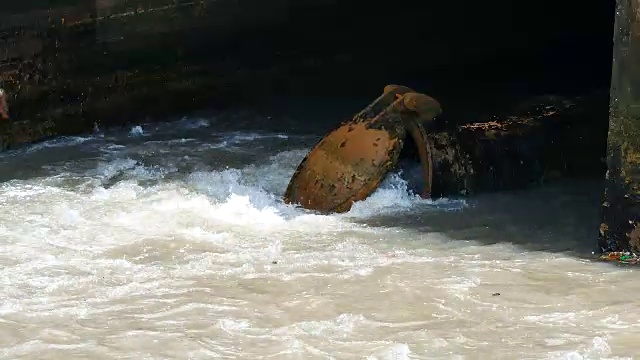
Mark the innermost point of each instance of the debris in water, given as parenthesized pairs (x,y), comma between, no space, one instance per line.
(622,257)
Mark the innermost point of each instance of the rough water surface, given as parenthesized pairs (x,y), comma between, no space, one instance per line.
(171,241)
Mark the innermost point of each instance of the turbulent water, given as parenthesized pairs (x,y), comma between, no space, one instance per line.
(170,241)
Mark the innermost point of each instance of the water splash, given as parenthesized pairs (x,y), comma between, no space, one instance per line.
(136,131)
(177,244)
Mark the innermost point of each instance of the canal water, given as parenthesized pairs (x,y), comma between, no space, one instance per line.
(170,241)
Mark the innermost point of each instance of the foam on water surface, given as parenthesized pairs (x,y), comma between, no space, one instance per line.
(176,244)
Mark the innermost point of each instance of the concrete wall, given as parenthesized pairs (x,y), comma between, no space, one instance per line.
(620,230)
(70,63)
(71,66)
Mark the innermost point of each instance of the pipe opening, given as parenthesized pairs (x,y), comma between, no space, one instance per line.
(409,166)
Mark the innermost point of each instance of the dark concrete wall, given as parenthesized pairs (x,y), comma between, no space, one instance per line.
(620,228)
(70,63)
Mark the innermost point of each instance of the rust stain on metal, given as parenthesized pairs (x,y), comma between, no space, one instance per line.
(349,163)
(425,153)
(342,170)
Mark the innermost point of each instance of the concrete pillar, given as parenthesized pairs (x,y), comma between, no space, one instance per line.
(620,227)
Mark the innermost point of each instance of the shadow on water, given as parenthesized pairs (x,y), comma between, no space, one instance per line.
(560,217)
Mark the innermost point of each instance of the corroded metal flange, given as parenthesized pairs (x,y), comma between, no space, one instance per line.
(349,163)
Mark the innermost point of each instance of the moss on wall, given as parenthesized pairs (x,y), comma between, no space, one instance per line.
(619,230)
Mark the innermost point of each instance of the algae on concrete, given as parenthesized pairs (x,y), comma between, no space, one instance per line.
(619,230)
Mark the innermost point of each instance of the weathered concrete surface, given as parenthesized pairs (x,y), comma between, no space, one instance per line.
(620,227)
(120,61)
(534,142)
(84,63)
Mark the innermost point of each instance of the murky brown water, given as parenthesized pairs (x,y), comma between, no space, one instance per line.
(173,244)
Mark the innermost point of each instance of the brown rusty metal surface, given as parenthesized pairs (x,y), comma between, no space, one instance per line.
(344,168)
(425,107)
(421,109)
(389,95)
(425,153)
(349,163)
(452,168)
(537,141)
(299,190)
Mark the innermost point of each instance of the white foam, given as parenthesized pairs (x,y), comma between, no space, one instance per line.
(238,138)
(393,352)
(60,142)
(136,131)
(598,348)
(217,252)
(193,123)
(393,196)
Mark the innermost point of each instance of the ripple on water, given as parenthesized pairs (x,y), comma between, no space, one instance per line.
(135,252)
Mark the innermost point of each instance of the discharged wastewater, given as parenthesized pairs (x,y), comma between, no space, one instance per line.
(171,242)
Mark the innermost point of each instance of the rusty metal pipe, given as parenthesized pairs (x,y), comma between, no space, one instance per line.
(417,110)
(425,153)
(390,94)
(349,163)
